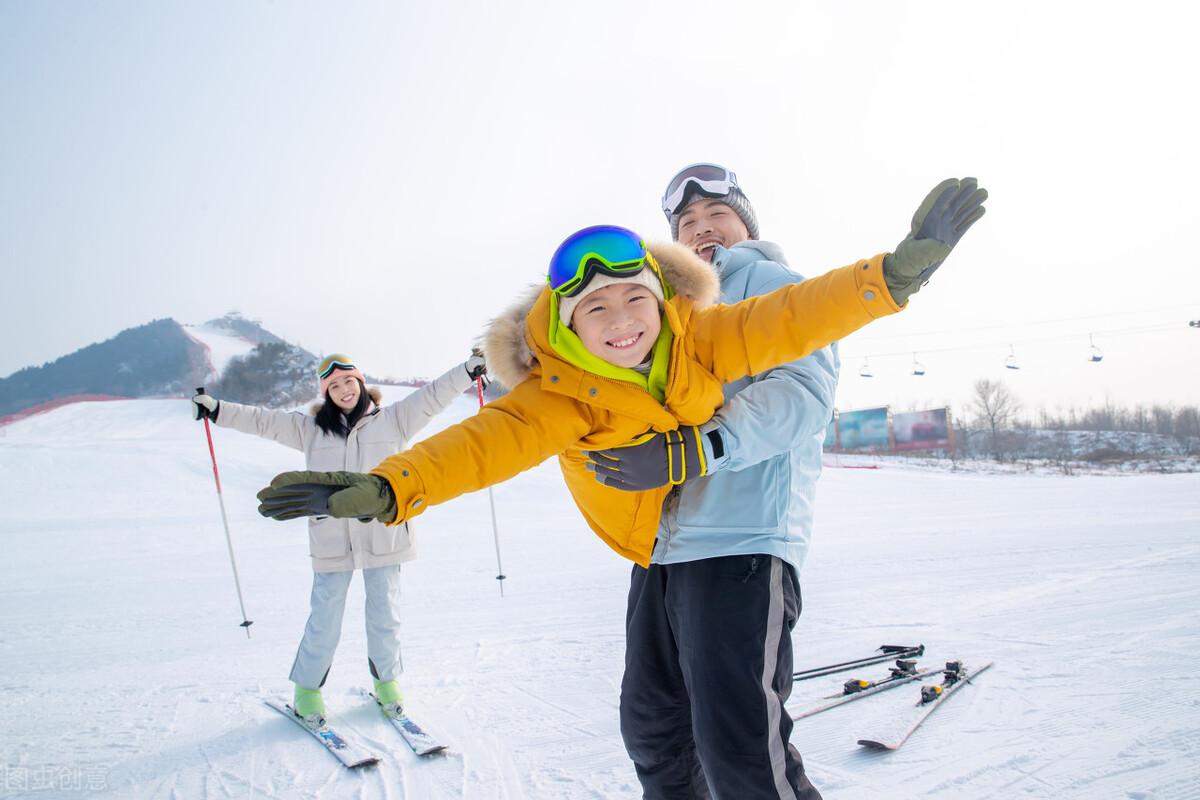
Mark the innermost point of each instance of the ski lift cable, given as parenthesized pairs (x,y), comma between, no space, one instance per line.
(1038,340)
(1034,340)
(1054,321)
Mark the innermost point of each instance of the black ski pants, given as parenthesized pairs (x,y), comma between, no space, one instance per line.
(708,667)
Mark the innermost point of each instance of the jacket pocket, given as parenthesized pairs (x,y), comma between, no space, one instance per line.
(384,540)
(755,498)
(328,537)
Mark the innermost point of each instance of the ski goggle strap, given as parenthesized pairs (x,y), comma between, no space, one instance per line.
(332,362)
(606,249)
(711,179)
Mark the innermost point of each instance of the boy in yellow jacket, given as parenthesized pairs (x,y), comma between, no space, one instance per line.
(624,341)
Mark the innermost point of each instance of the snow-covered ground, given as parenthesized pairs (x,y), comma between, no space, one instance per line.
(125,673)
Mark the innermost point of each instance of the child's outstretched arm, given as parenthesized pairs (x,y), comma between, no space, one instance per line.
(508,436)
(286,427)
(799,319)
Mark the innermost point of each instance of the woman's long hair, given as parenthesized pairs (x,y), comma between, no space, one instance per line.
(332,420)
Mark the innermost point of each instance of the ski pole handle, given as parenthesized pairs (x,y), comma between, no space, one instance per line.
(212,453)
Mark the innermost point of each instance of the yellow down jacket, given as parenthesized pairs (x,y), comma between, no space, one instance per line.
(557,408)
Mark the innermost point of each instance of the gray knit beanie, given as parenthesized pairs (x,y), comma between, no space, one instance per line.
(736,200)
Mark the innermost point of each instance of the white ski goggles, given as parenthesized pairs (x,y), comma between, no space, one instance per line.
(712,180)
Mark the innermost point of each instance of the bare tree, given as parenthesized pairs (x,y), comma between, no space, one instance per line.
(995,407)
(1187,429)
(1164,420)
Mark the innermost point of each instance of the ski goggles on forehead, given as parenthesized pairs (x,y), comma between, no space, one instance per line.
(330,363)
(605,249)
(711,179)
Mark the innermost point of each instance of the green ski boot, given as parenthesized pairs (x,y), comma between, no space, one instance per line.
(309,705)
(390,698)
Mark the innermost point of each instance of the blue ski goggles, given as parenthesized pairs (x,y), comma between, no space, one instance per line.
(712,180)
(604,249)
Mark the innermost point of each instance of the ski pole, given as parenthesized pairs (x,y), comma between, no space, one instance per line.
(246,623)
(500,576)
(890,651)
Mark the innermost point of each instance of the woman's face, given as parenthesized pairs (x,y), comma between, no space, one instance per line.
(344,391)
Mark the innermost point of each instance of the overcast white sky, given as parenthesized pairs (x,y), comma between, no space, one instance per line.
(380,178)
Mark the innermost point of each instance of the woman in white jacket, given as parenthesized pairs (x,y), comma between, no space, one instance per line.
(348,430)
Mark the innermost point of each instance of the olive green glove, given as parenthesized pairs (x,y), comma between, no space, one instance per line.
(947,212)
(353,495)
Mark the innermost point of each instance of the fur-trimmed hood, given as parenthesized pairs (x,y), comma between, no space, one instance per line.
(510,357)
(373,392)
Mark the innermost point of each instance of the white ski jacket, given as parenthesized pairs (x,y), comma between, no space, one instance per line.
(340,545)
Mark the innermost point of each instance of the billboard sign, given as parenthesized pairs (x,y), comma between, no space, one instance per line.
(863,430)
(922,430)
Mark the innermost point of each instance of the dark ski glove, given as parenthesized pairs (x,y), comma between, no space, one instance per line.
(663,458)
(945,215)
(204,406)
(353,495)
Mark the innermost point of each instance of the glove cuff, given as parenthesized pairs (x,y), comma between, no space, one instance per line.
(385,491)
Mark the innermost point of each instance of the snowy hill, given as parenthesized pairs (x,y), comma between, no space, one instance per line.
(157,358)
(165,359)
(126,674)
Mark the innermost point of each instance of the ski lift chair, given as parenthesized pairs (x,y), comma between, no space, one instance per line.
(865,370)
(917,368)
(1094,354)
(1011,361)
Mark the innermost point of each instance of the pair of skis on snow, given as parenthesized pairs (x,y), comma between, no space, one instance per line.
(353,754)
(955,675)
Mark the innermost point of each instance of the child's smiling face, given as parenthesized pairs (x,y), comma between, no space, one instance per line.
(619,323)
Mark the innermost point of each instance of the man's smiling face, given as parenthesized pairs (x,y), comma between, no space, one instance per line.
(708,222)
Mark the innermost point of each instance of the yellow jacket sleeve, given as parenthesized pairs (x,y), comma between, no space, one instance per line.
(508,436)
(762,332)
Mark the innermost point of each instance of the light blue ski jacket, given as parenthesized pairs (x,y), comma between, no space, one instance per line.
(759,496)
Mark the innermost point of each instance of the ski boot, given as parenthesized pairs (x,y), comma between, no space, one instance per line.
(309,706)
(389,697)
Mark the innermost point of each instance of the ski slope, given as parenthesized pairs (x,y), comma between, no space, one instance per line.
(125,673)
(222,345)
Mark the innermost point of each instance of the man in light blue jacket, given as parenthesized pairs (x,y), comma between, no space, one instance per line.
(708,662)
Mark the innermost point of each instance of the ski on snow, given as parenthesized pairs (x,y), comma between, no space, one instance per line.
(955,676)
(421,742)
(904,672)
(347,752)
